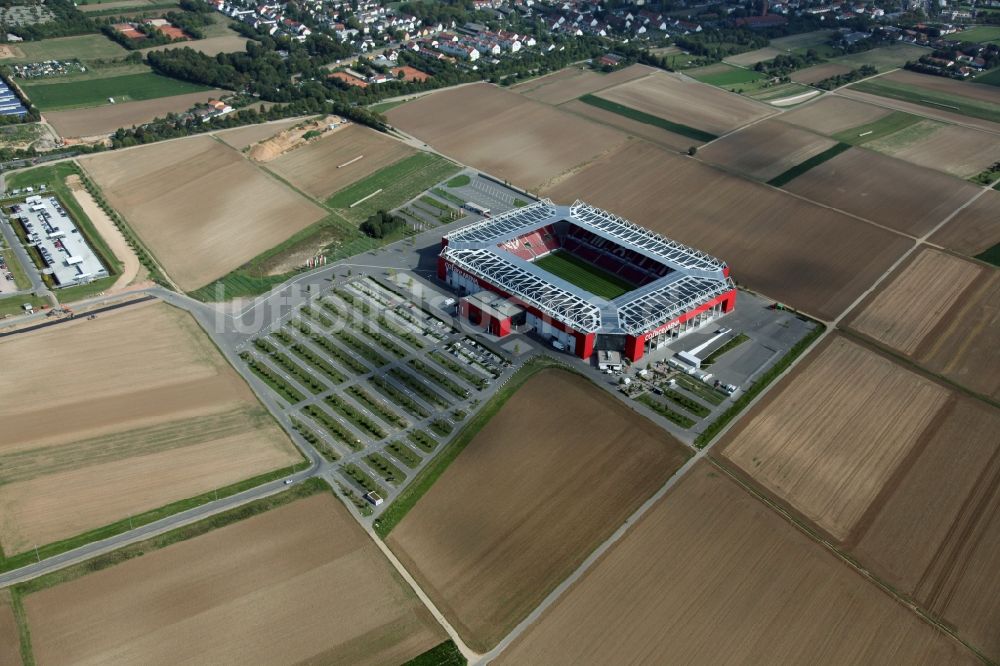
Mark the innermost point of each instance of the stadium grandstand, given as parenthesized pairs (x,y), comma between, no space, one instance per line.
(584,278)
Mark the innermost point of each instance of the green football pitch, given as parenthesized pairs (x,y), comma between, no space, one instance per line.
(584,275)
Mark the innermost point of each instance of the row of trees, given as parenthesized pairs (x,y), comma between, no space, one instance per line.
(839,80)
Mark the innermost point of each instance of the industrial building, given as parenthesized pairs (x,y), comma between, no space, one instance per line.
(63,249)
(10,103)
(672,289)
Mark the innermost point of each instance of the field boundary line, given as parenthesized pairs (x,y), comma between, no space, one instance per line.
(816,537)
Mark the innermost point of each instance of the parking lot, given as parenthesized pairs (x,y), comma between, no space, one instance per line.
(376,381)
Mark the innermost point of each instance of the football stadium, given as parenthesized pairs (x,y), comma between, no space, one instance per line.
(584,278)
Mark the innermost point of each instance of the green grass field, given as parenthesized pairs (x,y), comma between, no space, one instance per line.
(931,98)
(881,128)
(584,275)
(992,255)
(724,76)
(55,96)
(622,110)
(990,78)
(84,47)
(884,58)
(802,40)
(398,183)
(980,34)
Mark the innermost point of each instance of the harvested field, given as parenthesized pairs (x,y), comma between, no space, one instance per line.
(751,58)
(677,98)
(503,133)
(242,138)
(975,228)
(960,151)
(107,119)
(831,438)
(201,208)
(10,644)
(765,150)
(210,46)
(298,584)
(929,111)
(315,168)
(901,196)
(936,534)
(634,128)
(164,417)
(947,319)
(801,254)
(831,115)
(940,84)
(572,82)
(817,73)
(903,313)
(712,576)
(514,515)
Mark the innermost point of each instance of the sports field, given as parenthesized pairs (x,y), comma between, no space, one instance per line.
(58,95)
(579,272)
(84,47)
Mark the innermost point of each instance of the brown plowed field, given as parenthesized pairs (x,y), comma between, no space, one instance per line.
(299,584)
(682,100)
(903,313)
(960,151)
(508,135)
(765,150)
(657,135)
(107,119)
(901,196)
(313,168)
(979,91)
(515,514)
(816,259)
(244,137)
(10,642)
(210,46)
(936,535)
(974,229)
(830,115)
(819,72)
(117,416)
(199,205)
(572,82)
(712,576)
(957,337)
(831,438)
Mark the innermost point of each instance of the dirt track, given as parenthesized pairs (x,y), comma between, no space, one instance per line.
(514,515)
(712,576)
(974,229)
(298,584)
(163,418)
(110,233)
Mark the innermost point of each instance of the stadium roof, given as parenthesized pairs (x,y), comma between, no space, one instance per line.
(695,277)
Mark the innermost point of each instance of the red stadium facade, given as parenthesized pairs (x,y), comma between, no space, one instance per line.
(674,288)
